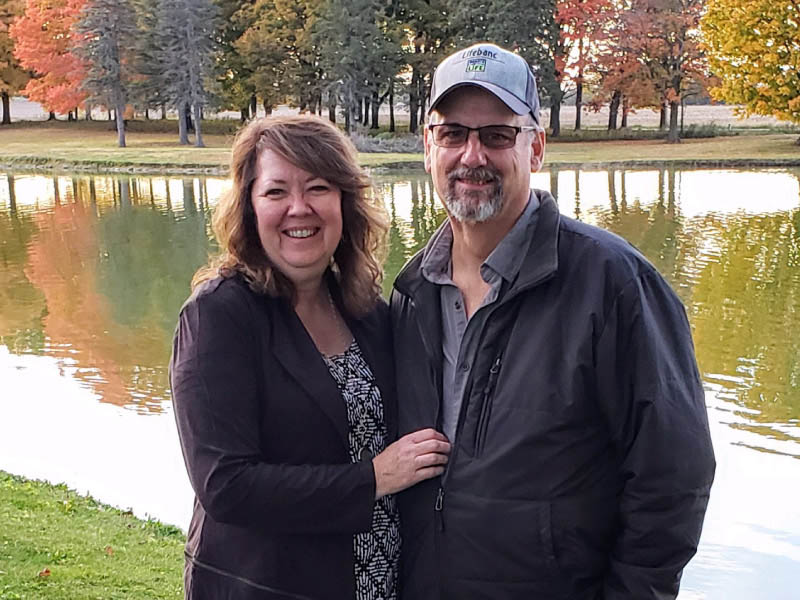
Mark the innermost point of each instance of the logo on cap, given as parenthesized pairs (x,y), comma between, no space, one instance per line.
(476,64)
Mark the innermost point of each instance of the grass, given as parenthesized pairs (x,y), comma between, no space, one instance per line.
(57,544)
(92,146)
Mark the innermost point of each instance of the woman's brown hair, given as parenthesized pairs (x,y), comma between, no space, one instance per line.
(316,146)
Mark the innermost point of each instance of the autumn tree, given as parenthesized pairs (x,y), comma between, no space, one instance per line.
(185,55)
(755,51)
(43,43)
(12,76)
(582,29)
(107,33)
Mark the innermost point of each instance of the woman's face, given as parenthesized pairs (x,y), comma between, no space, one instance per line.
(299,217)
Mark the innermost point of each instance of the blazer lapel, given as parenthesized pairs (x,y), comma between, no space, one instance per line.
(294,349)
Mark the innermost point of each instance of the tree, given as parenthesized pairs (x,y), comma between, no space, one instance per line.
(107,33)
(12,76)
(43,41)
(755,50)
(232,73)
(186,57)
(357,53)
(582,27)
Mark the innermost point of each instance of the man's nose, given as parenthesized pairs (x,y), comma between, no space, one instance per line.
(474,152)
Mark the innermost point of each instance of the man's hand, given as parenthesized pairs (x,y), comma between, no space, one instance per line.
(413,458)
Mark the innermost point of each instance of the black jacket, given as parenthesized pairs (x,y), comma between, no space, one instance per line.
(582,461)
(264,430)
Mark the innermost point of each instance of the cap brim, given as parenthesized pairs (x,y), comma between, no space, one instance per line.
(511,101)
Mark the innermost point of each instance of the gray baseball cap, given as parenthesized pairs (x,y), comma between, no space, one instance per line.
(503,73)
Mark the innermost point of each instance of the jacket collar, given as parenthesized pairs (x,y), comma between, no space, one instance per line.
(295,350)
(541,260)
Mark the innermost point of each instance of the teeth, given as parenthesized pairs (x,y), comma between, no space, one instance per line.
(300,233)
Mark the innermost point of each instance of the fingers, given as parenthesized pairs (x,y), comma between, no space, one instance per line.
(423,435)
(428,460)
(429,473)
(434,445)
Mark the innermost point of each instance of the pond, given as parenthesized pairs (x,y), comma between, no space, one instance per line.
(94,269)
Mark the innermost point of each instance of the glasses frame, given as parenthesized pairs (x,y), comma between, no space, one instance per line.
(517,129)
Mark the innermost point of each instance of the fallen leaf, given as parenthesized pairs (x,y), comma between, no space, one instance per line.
(44,573)
(109,551)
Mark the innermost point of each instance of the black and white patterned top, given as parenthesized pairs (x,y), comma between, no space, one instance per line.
(377,551)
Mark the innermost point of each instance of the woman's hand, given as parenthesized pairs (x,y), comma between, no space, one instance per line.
(413,458)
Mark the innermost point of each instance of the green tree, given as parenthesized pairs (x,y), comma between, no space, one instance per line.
(12,76)
(107,29)
(755,51)
(186,54)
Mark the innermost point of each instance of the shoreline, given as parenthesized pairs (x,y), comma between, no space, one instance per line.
(414,162)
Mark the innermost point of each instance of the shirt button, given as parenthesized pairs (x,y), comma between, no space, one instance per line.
(465,366)
(458,305)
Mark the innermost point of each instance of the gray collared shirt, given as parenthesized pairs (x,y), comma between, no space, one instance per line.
(459,334)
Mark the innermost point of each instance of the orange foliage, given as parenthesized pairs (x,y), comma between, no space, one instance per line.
(43,43)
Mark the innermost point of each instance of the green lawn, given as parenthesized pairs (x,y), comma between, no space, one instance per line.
(58,545)
(93,146)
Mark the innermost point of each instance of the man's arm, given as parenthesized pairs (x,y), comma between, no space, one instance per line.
(653,398)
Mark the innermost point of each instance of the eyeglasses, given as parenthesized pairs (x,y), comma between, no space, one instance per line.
(496,137)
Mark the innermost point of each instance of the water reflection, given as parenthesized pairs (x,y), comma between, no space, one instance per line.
(94,269)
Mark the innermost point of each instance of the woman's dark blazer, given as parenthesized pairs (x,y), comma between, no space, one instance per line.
(264,430)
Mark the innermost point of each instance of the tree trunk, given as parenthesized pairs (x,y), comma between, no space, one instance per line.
(413,101)
(579,87)
(198,134)
(376,107)
(625,110)
(555,118)
(187,115)
(267,108)
(613,109)
(253,106)
(163,111)
(332,108)
(662,118)
(88,113)
(183,134)
(6,108)
(673,137)
(110,115)
(120,110)
(683,112)
(554,181)
(244,114)
(147,113)
(391,109)
(348,111)
(51,116)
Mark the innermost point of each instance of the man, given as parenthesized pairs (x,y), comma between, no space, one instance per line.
(557,361)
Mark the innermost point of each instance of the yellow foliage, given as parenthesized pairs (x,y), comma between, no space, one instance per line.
(752,48)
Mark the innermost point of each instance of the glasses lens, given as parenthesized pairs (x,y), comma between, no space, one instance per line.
(498,136)
(450,135)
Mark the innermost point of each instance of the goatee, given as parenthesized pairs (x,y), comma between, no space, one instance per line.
(474,206)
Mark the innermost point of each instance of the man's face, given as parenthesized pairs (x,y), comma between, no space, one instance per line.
(476,183)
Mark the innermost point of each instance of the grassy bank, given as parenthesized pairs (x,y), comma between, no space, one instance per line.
(92,147)
(57,544)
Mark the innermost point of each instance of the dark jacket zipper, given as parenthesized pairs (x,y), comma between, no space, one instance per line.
(486,406)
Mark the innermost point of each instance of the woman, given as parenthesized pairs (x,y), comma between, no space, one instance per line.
(282,380)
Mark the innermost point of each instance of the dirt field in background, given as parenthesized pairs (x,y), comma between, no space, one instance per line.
(24,110)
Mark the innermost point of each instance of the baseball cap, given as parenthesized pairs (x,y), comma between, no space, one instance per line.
(503,73)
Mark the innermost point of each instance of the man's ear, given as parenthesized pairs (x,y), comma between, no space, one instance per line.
(537,150)
(426,141)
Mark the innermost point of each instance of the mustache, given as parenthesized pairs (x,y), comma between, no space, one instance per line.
(487,174)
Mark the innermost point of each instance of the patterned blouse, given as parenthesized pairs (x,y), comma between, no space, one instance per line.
(377,551)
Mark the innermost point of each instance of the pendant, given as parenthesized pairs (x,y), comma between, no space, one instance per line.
(366,455)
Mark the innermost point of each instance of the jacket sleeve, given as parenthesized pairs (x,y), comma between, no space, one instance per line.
(651,394)
(213,375)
